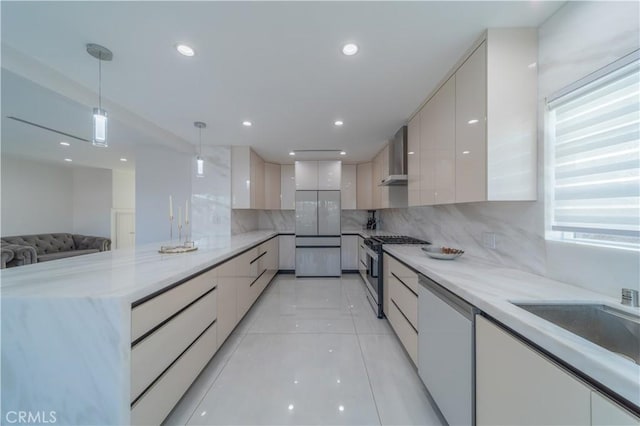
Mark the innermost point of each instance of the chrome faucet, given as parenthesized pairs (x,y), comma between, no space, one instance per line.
(630,297)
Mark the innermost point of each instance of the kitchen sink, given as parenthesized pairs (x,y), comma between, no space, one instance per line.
(613,329)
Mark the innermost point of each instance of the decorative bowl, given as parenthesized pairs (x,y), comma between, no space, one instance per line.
(441,252)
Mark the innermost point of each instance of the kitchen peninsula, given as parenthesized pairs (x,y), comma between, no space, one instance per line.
(75,331)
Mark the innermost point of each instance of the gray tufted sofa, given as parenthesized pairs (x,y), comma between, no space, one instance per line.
(27,249)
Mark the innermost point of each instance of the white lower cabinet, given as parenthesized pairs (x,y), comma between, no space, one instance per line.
(401,303)
(515,385)
(159,400)
(178,331)
(287,252)
(362,258)
(607,413)
(349,252)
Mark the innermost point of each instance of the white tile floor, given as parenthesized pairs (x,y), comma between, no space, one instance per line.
(310,352)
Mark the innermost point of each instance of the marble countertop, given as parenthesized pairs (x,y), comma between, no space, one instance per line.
(129,274)
(492,288)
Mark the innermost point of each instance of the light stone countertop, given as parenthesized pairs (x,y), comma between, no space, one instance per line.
(492,288)
(129,274)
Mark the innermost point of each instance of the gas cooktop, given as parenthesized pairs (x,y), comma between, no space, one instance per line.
(396,239)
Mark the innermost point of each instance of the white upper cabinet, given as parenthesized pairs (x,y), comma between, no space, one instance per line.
(478,131)
(437,146)
(364,182)
(413,161)
(240,177)
(248,184)
(306,175)
(349,185)
(247,179)
(512,108)
(329,175)
(257,181)
(496,118)
(470,128)
(272,186)
(288,187)
(318,175)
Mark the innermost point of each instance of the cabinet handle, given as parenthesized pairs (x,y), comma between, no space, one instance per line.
(254,281)
(403,283)
(254,260)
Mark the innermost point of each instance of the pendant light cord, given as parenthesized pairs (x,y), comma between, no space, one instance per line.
(100,82)
(200,139)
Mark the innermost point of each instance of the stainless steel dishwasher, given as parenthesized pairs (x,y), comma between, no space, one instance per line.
(446,361)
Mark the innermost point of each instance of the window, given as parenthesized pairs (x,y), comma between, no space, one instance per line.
(594,155)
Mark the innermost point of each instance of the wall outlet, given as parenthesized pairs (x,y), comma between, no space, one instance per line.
(489,240)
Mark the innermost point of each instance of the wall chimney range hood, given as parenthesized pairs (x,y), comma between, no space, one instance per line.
(397,160)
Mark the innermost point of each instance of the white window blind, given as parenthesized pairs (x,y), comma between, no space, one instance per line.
(595,131)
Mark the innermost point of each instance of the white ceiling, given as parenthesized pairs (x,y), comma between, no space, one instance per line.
(277,64)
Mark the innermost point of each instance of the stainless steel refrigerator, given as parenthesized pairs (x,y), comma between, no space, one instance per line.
(318,234)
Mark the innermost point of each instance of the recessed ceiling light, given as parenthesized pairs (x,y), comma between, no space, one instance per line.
(341,407)
(466,152)
(68,160)
(290,407)
(338,123)
(343,153)
(247,123)
(410,152)
(473,121)
(292,153)
(63,143)
(124,160)
(185,50)
(350,49)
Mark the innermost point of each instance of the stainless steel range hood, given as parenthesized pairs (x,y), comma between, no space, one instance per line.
(397,160)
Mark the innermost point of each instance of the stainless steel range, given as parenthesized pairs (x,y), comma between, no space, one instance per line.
(374,281)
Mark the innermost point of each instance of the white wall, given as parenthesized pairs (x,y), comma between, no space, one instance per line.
(36,197)
(124,189)
(160,172)
(92,198)
(578,39)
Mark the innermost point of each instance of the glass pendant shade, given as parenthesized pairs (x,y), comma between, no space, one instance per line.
(99,127)
(199,166)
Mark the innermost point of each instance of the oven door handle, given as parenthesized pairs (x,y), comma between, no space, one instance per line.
(371,253)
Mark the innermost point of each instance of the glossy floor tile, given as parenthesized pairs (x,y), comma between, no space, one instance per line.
(309,352)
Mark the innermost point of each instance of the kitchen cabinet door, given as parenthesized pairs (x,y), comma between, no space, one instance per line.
(516,385)
(287,252)
(437,146)
(606,413)
(364,181)
(288,187)
(329,175)
(227,299)
(362,258)
(306,175)
(376,178)
(349,252)
(349,184)
(240,177)
(413,161)
(257,181)
(272,186)
(470,128)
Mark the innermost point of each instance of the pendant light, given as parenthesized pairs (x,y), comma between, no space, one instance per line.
(199,160)
(99,138)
